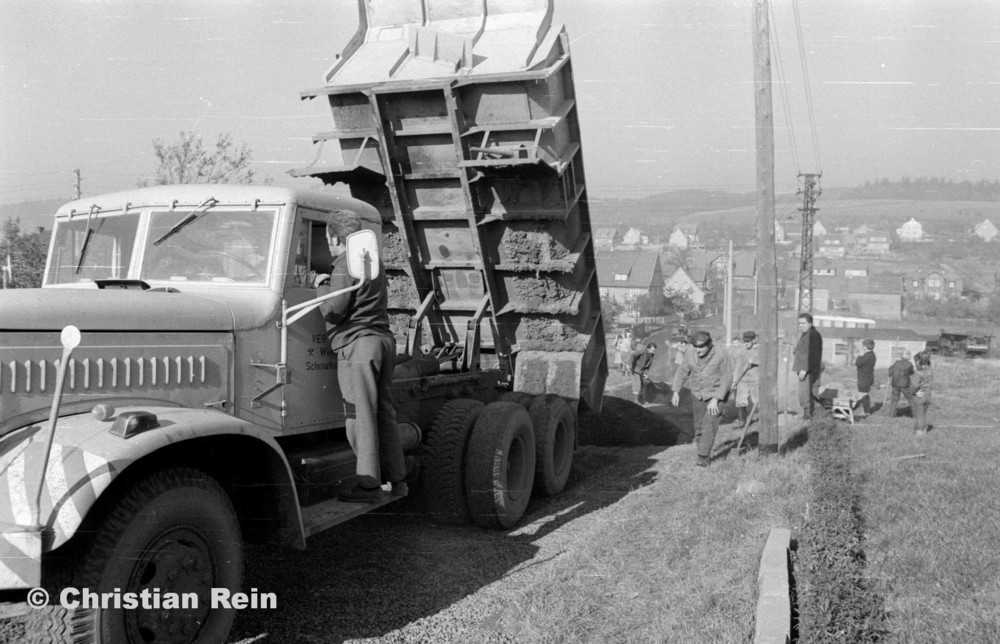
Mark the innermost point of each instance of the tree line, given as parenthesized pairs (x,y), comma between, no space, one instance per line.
(925,189)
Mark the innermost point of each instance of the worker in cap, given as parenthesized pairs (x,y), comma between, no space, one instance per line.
(746,375)
(707,373)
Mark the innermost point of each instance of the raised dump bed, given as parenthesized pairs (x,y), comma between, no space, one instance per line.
(457,120)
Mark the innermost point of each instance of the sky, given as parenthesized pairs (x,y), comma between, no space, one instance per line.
(897,88)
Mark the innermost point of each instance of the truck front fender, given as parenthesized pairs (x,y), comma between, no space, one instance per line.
(87,460)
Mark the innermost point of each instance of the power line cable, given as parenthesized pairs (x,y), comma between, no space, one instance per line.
(808,85)
(783,92)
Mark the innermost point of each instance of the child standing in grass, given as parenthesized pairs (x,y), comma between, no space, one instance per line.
(900,374)
(866,373)
(921,382)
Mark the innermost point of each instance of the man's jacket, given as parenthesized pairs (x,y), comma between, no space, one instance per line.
(359,313)
(708,377)
(808,352)
(866,369)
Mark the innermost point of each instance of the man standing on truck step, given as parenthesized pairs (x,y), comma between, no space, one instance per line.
(357,325)
(708,374)
(807,362)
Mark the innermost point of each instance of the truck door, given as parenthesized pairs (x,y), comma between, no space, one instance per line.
(312,397)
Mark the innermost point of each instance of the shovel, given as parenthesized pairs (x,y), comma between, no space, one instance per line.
(753,410)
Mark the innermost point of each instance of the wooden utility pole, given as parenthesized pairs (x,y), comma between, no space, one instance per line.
(76,183)
(767,291)
(729,295)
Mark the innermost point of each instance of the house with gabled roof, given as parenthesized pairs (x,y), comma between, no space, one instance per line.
(911,231)
(986,230)
(680,281)
(937,283)
(626,275)
(685,236)
(632,237)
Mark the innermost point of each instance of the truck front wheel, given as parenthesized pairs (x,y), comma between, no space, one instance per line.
(500,465)
(172,536)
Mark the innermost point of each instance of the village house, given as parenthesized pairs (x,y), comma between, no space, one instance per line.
(831,247)
(680,281)
(986,230)
(685,236)
(626,275)
(873,243)
(911,231)
(606,238)
(939,283)
(633,237)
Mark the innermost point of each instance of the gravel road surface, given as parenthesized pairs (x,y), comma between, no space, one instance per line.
(399,577)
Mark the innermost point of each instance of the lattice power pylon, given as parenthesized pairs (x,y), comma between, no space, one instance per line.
(810,192)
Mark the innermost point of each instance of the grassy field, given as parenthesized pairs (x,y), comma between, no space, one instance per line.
(931,510)
(927,509)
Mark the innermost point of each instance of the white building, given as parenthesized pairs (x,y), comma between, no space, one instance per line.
(986,230)
(911,231)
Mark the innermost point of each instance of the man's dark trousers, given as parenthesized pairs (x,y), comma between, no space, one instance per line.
(364,372)
(705,426)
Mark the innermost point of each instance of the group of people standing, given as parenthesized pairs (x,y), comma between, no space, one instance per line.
(715,376)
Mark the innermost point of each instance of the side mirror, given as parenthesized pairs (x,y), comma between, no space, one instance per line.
(362,255)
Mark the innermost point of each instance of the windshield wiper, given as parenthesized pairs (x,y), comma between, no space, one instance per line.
(194,214)
(86,240)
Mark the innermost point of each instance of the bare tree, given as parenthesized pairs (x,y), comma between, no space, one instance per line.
(187,161)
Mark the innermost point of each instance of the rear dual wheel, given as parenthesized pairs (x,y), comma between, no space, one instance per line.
(555,432)
(500,465)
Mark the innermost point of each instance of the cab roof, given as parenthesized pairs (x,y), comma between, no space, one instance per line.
(192,195)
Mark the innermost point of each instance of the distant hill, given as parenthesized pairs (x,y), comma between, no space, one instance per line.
(32,213)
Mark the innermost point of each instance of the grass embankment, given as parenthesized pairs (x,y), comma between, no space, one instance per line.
(674,560)
(932,511)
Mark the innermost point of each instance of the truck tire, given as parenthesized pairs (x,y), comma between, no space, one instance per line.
(174,530)
(555,437)
(518,397)
(500,466)
(443,462)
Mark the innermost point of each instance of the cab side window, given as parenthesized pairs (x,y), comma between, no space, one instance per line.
(311,254)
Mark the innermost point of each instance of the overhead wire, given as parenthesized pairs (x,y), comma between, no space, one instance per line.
(783,91)
(808,85)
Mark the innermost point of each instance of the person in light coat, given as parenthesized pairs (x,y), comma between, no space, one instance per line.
(707,372)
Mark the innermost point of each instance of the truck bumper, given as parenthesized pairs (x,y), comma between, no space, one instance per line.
(20,557)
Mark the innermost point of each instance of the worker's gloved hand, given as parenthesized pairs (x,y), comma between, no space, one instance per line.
(319,279)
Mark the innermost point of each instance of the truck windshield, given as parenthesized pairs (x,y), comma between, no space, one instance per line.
(229,245)
(86,248)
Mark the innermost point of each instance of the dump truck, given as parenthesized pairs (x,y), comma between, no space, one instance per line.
(169,393)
